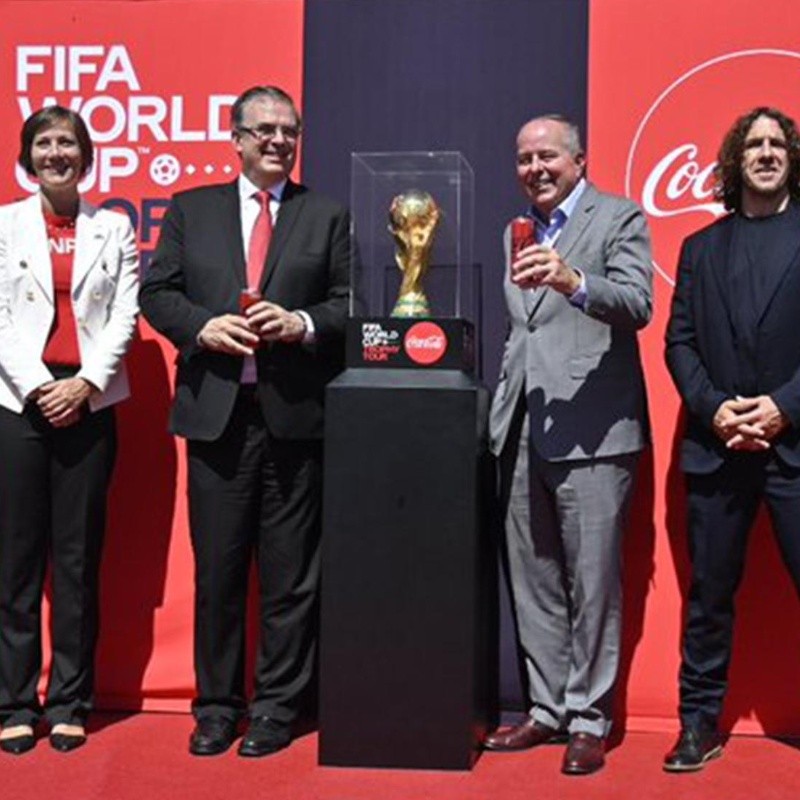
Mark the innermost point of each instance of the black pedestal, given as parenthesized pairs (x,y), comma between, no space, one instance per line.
(408,652)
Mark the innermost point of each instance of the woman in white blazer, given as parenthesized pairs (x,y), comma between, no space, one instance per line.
(68,287)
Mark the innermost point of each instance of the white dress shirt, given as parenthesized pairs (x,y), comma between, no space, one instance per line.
(249,209)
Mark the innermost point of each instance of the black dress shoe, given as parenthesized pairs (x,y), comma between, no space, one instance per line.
(585,754)
(64,742)
(520,737)
(17,745)
(212,736)
(692,750)
(264,736)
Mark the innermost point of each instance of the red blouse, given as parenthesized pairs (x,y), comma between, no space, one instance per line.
(62,343)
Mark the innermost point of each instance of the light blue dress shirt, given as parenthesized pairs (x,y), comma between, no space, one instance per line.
(549,229)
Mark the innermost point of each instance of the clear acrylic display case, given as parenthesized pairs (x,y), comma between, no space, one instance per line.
(450,281)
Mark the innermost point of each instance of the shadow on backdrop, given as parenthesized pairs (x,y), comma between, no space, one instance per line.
(638,567)
(141,503)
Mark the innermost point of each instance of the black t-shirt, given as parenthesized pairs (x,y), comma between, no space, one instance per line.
(756,245)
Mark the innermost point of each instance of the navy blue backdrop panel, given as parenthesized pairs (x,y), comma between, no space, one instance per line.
(386,75)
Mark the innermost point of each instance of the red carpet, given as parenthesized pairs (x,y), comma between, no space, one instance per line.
(143,757)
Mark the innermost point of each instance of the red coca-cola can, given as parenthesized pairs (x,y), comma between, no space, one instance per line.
(247,298)
(522,235)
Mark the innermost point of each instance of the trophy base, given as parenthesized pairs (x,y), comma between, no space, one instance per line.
(413,304)
(392,342)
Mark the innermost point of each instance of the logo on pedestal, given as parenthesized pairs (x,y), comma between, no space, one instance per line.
(425,343)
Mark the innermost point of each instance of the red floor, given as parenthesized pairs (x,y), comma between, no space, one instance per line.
(143,757)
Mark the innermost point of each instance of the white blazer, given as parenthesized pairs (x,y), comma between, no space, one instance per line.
(105,278)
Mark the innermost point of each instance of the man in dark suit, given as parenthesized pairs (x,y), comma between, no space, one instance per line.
(249,400)
(734,354)
(568,421)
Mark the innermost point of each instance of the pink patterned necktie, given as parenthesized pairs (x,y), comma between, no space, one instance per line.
(259,242)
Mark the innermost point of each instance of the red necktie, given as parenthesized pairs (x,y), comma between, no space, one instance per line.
(259,242)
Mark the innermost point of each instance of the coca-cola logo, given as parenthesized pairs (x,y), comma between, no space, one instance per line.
(671,159)
(676,179)
(425,343)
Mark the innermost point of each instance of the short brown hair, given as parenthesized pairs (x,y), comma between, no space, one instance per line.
(45,118)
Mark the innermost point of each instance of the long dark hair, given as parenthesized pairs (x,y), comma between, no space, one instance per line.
(728,171)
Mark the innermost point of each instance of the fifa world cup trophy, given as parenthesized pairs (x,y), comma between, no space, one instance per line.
(413,217)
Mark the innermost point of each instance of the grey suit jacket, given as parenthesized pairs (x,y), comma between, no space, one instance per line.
(580,370)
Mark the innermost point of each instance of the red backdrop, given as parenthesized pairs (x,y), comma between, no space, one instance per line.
(156,96)
(666,80)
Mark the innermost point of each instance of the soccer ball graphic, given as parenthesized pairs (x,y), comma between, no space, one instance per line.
(165,169)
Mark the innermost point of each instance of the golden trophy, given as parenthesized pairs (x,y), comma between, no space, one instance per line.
(413,217)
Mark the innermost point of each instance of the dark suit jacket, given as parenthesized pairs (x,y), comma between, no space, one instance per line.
(197,273)
(702,343)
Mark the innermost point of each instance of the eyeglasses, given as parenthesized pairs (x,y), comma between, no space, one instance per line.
(268,131)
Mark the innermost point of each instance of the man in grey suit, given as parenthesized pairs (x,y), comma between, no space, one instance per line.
(568,421)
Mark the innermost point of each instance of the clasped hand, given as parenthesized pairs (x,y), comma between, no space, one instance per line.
(60,401)
(539,265)
(749,423)
(238,334)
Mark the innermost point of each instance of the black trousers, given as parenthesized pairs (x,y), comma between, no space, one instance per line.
(722,507)
(251,496)
(53,487)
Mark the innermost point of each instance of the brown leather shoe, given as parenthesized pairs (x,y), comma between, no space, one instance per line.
(520,737)
(585,754)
